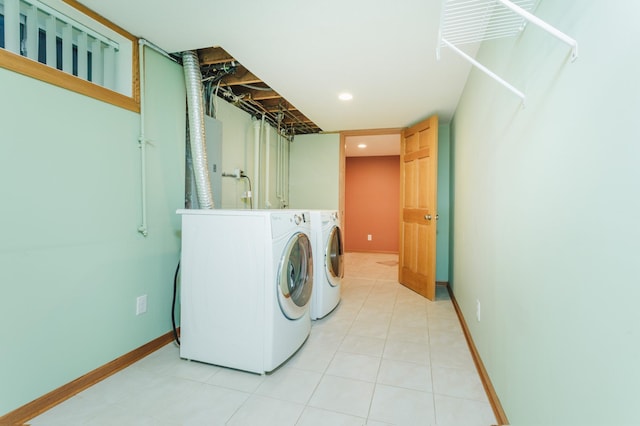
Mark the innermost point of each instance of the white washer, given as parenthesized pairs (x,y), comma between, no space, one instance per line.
(326,240)
(246,284)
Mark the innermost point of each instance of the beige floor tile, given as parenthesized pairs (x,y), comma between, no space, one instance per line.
(312,358)
(402,407)
(343,395)
(410,319)
(237,380)
(76,410)
(456,355)
(374,327)
(121,386)
(407,351)
(363,345)
(373,314)
(408,334)
(405,375)
(117,415)
(205,404)
(164,398)
(458,383)
(263,411)
(354,366)
(289,384)
(457,412)
(385,356)
(317,417)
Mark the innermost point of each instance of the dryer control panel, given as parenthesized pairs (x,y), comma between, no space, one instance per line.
(283,222)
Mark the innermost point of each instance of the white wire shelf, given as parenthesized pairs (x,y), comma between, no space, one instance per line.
(473,21)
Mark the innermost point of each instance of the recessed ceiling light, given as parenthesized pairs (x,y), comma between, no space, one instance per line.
(345,96)
(361,145)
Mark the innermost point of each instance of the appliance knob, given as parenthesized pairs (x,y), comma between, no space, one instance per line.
(297,219)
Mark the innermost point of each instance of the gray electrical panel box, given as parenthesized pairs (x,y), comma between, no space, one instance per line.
(213,130)
(213,135)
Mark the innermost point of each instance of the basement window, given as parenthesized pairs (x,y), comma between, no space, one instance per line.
(63,43)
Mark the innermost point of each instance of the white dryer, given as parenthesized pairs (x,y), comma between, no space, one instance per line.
(326,240)
(246,284)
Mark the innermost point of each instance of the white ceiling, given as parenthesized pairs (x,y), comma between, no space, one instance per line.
(376,145)
(383,52)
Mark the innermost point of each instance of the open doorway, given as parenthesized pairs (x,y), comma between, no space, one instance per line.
(369,190)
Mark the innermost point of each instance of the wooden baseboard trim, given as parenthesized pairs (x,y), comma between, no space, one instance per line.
(38,406)
(372,251)
(498,411)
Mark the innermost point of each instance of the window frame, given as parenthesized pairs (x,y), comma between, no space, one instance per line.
(47,74)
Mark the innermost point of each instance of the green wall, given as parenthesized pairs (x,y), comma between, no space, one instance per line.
(315,172)
(546,217)
(71,258)
(238,139)
(237,152)
(314,183)
(444,223)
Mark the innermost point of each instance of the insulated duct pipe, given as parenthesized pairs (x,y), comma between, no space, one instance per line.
(195,108)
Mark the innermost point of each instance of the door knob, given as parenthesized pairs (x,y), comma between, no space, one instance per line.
(427,216)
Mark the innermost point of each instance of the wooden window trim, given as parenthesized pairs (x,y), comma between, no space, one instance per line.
(47,74)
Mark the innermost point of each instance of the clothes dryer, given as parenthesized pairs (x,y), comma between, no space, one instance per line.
(326,240)
(246,284)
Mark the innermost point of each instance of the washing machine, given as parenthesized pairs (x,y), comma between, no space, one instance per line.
(246,286)
(326,240)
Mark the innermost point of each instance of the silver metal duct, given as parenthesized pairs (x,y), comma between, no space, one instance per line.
(197,141)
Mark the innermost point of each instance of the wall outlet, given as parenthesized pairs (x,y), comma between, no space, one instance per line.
(369,237)
(478,312)
(141,304)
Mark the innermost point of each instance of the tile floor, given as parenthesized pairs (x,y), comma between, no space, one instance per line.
(385,356)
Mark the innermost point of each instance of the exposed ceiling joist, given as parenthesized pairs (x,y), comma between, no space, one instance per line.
(262,95)
(239,77)
(250,93)
(277,104)
(213,55)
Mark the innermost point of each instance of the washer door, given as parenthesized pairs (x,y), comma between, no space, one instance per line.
(334,257)
(295,277)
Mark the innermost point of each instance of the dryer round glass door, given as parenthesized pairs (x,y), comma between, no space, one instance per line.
(295,277)
(334,257)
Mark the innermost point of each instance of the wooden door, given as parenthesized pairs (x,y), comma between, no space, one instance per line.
(418,210)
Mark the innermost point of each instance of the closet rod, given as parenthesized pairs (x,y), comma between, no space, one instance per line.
(486,70)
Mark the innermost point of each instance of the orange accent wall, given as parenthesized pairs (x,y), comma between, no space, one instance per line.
(372,199)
